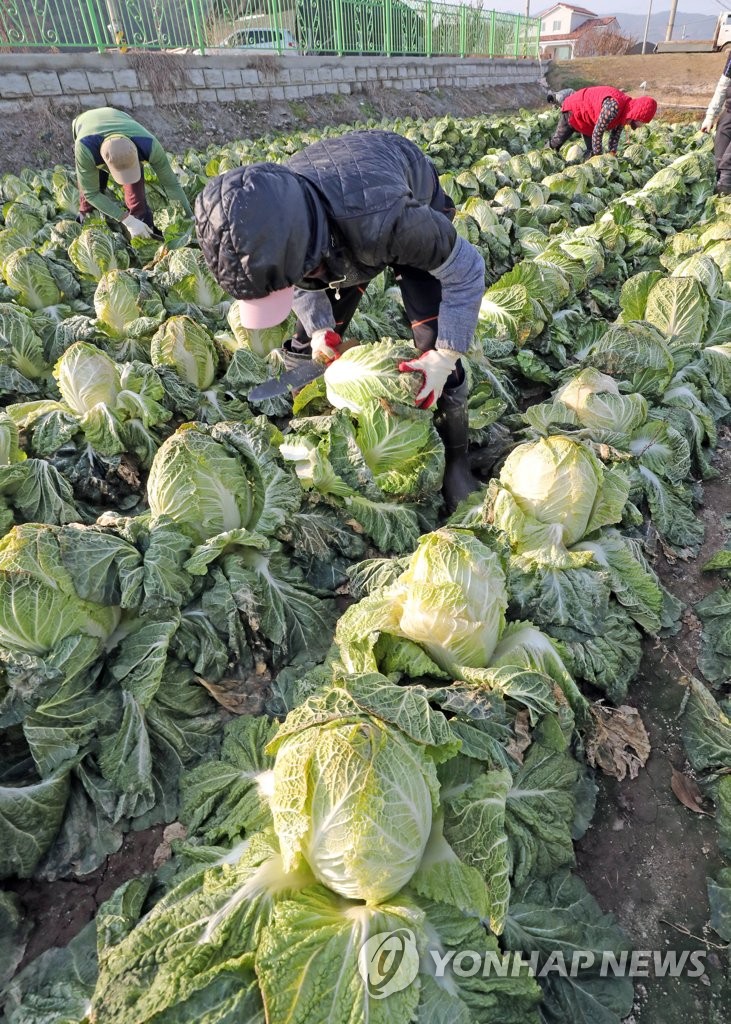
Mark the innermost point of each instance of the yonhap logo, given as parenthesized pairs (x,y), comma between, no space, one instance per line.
(388,962)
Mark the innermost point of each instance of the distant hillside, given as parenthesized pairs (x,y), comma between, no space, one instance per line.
(697,26)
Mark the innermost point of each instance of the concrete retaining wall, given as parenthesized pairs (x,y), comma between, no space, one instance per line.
(107,79)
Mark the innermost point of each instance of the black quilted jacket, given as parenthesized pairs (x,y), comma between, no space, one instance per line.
(350,206)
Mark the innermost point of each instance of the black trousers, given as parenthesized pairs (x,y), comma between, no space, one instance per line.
(722,152)
(563,133)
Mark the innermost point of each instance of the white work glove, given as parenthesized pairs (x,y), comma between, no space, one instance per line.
(707,126)
(325,346)
(137,228)
(435,366)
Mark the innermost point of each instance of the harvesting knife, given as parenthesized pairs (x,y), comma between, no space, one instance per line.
(290,380)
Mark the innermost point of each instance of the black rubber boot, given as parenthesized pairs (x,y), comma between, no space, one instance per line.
(451,422)
(295,356)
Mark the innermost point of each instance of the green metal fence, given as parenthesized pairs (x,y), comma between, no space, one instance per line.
(337,27)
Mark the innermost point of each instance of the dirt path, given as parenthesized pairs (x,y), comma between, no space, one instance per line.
(646,857)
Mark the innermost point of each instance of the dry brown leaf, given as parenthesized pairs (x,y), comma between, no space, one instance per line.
(522,739)
(163,853)
(688,792)
(619,744)
(128,471)
(240,696)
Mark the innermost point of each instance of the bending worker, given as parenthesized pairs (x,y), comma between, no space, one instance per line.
(599,109)
(110,142)
(719,114)
(556,98)
(310,235)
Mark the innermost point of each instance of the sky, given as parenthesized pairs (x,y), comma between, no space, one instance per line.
(606,7)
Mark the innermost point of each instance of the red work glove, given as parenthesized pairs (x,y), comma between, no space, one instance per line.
(435,366)
(325,346)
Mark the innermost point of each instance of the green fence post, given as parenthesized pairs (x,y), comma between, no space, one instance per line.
(429,27)
(277,19)
(491,44)
(338,6)
(387,27)
(98,38)
(517,36)
(198,22)
(462,29)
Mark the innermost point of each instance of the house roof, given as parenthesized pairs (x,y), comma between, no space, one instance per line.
(583,27)
(572,7)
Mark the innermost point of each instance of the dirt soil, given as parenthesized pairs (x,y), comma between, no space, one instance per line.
(59,910)
(646,857)
(43,139)
(680,82)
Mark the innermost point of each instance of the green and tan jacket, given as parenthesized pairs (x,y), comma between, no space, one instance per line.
(90,129)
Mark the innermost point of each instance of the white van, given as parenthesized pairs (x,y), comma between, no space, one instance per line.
(261,38)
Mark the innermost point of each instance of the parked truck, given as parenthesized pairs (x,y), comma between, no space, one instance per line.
(721,40)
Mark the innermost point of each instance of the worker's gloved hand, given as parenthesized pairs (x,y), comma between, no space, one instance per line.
(325,346)
(80,217)
(137,228)
(435,366)
(707,126)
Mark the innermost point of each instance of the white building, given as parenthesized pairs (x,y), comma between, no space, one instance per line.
(563,25)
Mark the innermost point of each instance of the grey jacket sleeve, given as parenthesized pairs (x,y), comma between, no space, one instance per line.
(462,277)
(313,310)
(425,239)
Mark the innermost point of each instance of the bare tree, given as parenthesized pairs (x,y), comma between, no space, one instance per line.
(602,42)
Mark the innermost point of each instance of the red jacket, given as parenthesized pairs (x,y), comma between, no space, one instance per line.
(585,106)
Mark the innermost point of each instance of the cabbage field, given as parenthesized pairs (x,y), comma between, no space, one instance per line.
(257,622)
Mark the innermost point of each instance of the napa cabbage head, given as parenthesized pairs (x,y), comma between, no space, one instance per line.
(116,300)
(189,279)
(560,486)
(453,598)
(27,273)
(87,377)
(597,402)
(126,304)
(196,481)
(188,348)
(94,253)
(20,346)
(39,604)
(10,451)
(370,373)
(404,453)
(354,798)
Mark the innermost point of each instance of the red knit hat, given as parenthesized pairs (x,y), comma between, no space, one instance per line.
(641,108)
